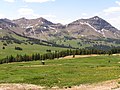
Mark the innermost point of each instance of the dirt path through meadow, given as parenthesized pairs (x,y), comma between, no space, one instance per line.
(107,85)
(80,56)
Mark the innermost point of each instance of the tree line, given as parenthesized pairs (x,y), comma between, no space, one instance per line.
(56,55)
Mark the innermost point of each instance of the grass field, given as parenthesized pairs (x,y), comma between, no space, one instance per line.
(62,72)
(26,46)
(27,49)
(82,44)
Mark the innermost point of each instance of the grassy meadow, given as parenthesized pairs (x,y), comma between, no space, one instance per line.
(62,72)
(27,49)
(25,45)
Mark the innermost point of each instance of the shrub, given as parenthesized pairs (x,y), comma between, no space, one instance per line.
(18,48)
(4,44)
(3,47)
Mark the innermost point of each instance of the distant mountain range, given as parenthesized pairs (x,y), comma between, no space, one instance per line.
(40,28)
(94,32)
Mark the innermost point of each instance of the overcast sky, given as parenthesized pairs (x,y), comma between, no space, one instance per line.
(62,11)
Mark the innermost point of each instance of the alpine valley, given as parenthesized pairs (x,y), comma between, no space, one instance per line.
(93,32)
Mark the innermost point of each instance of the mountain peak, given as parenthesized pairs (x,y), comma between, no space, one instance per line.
(5,20)
(41,18)
(23,18)
(7,24)
(44,21)
(95,18)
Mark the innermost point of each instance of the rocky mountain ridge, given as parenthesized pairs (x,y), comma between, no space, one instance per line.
(94,27)
(40,28)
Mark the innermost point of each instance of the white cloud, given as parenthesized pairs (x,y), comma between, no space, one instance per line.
(112,10)
(9,0)
(48,16)
(2,16)
(29,13)
(37,1)
(115,9)
(111,14)
(84,14)
(118,2)
(115,21)
(25,11)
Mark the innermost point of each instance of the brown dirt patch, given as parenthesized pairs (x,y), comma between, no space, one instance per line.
(80,56)
(107,85)
(20,87)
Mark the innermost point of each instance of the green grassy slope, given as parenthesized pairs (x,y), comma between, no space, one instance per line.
(82,43)
(25,45)
(64,72)
(27,49)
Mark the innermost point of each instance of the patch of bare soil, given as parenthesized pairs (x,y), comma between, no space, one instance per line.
(20,87)
(107,85)
(116,54)
(80,56)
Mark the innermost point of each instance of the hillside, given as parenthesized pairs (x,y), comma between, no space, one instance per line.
(81,33)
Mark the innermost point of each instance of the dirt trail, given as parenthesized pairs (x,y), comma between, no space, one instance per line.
(20,87)
(80,56)
(107,85)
